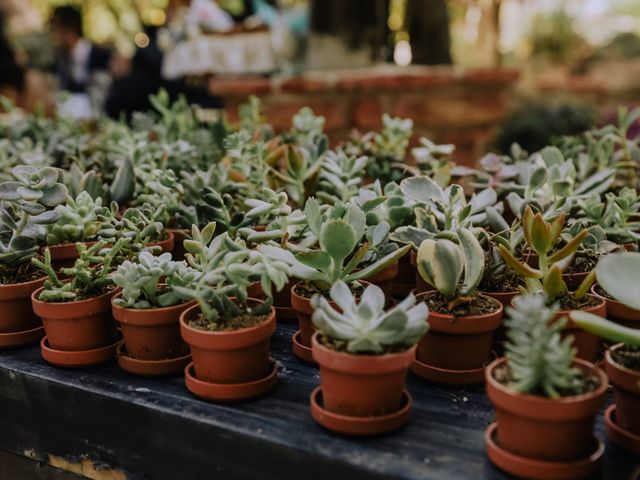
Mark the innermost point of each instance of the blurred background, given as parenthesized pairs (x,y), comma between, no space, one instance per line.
(478,73)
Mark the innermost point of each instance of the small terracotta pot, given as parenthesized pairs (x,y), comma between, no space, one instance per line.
(65,255)
(153,333)
(361,385)
(179,236)
(77,326)
(405,281)
(384,279)
(458,343)
(165,245)
(254,290)
(619,312)
(16,312)
(626,391)
(587,344)
(229,357)
(573,280)
(539,428)
(303,308)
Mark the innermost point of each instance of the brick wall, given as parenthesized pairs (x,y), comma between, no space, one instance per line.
(463,107)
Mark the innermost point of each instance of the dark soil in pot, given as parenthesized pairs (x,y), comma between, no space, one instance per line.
(459,338)
(623,369)
(152,334)
(235,355)
(539,428)
(361,385)
(79,325)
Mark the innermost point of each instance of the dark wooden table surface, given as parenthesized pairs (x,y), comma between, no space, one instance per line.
(155,429)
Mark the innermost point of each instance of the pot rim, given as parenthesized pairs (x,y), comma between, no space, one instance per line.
(364,356)
(224,333)
(541,401)
(37,301)
(9,286)
(609,359)
(471,317)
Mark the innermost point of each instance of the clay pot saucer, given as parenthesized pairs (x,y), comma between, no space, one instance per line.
(302,351)
(225,392)
(359,426)
(619,436)
(449,377)
(151,368)
(528,468)
(79,358)
(20,339)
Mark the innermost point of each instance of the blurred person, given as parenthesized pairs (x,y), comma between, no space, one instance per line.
(26,89)
(82,67)
(136,80)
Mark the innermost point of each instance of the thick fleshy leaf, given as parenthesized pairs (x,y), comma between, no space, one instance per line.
(614,332)
(473,261)
(49,176)
(618,274)
(553,284)
(54,195)
(422,189)
(314,216)
(29,194)
(47,217)
(315,259)
(338,239)
(9,190)
(540,235)
(522,269)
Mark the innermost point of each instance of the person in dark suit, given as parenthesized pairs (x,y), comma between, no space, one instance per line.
(79,59)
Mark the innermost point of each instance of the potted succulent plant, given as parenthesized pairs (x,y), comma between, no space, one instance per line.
(364,354)
(618,276)
(78,222)
(26,205)
(340,230)
(76,312)
(148,311)
(546,399)
(462,321)
(542,236)
(227,331)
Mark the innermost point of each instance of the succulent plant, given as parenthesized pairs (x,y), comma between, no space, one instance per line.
(140,281)
(89,277)
(229,267)
(162,188)
(441,263)
(340,231)
(364,326)
(141,224)
(297,167)
(616,215)
(389,149)
(78,221)
(434,160)
(340,177)
(539,361)
(307,126)
(389,205)
(26,204)
(542,239)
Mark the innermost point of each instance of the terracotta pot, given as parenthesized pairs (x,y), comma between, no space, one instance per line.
(500,335)
(282,299)
(458,343)
(361,385)
(534,427)
(254,290)
(16,312)
(505,298)
(573,280)
(303,308)
(153,333)
(65,255)
(179,236)
(619,312)
(384,279)
(229,357)
(405,281)
(626,391)
(76,326)
(587,344)
(166,245)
